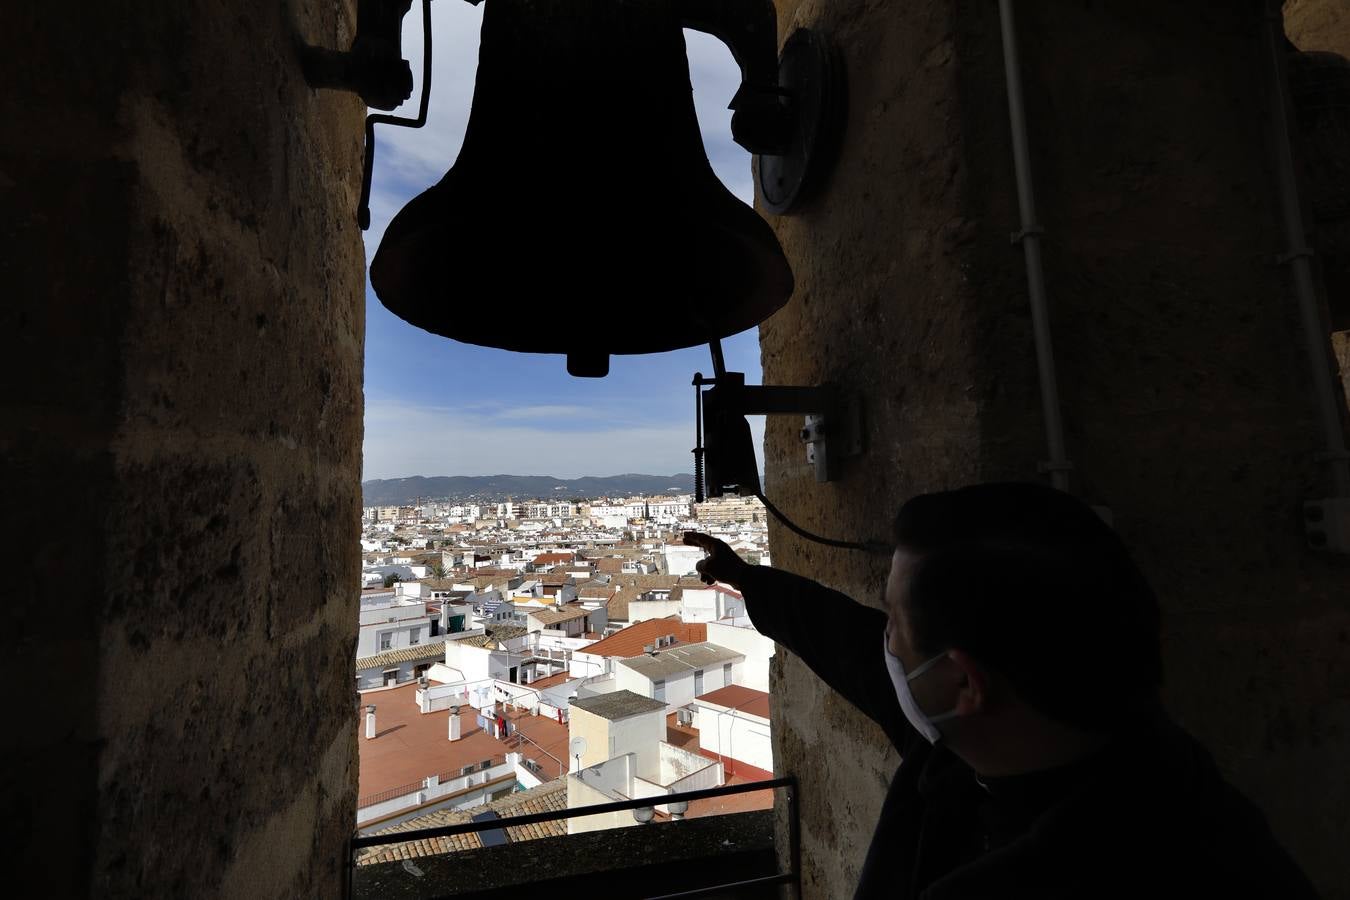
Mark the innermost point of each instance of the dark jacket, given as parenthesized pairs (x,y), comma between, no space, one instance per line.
(1148,817)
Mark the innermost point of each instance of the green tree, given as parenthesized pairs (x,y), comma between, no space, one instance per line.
(391,579)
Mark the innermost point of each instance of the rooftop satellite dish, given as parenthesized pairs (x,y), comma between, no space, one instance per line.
(577,746)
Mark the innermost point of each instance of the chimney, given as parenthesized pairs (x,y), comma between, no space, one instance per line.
(454,733)
(370,722)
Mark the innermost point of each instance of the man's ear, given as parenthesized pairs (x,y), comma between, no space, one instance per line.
(977,689)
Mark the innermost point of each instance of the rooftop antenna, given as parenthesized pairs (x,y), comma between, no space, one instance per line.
(577,747)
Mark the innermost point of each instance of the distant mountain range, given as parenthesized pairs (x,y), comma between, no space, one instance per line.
(403,491)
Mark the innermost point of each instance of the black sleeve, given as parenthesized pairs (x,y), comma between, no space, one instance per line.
(838,638)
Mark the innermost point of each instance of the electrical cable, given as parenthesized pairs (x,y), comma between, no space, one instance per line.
(719,374)
(877,547)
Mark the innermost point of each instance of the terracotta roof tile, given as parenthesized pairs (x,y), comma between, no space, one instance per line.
(548,797)
(629,587)
(630,641)
(736,696)
(492,635)
(552,616)
(404,654)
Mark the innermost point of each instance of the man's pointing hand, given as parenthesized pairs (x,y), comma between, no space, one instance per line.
(721,564)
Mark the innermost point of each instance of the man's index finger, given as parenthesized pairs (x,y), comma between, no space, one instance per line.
(698,539)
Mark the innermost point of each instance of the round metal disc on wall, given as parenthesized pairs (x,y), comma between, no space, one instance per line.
(810,72)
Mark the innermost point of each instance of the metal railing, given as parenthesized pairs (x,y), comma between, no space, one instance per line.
(520,737)
(787,783)
(415,786)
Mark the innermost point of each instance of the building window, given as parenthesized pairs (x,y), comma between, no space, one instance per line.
(659,690)
(698,682)
(386,639)
(414,636)
(726,674)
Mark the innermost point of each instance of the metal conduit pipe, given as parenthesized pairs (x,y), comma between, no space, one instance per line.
(1316,333)
(1030,238)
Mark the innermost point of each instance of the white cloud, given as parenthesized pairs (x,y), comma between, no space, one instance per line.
(548,412)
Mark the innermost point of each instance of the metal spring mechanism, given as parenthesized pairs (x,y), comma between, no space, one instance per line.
(698,438)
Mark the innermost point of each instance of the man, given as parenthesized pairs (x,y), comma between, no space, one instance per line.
(1017,675)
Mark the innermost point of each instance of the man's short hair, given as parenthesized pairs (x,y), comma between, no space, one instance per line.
(1033,584)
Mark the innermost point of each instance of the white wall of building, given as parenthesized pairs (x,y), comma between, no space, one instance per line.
(735,734)
(432,789)
(585,664)
(595,686)
(671,510)
(594,785)
(639,735)
(627,678)
(441,696)
(709,604)
(396,623)
(593,730)
(642,610)
(381,638)
(377,676)
(607,739)
(472,662)
(680,688)
(518,695)
(679,770)
(753,671)
(674,770)
(547,641)
(677,765)
(402,570)
(680,559)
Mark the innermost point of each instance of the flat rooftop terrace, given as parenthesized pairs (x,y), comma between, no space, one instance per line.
(409,745)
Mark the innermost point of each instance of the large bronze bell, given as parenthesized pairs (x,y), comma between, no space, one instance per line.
(581,216)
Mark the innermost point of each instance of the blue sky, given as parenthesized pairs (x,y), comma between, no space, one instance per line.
(439,407)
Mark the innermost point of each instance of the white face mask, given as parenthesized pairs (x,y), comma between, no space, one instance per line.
(922,723)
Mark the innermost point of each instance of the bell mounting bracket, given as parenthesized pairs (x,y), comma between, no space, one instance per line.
(832,429)
(811,80)
(374,69)
(761,120)
(789,109)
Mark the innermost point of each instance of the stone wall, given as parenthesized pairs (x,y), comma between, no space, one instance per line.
(181,437)
(1323,27)
(1187,402)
